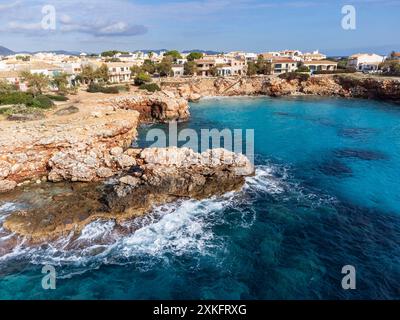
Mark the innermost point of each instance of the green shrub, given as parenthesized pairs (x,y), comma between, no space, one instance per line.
(334,71)
(57,97)
(110,90)
(142,78)
(5,111)
(294,76)
(152,87)
(16,97)
(303,69)
(42,102)
(95,87)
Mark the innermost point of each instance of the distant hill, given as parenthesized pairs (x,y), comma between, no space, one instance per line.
(211,52)
(5,51)
(68,53)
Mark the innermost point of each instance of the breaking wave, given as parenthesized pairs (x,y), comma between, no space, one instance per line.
(185,227)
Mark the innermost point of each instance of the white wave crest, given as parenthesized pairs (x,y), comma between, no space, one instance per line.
(176,229)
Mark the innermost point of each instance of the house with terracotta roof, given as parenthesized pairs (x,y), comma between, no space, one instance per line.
(396,56)
(320,65)
(282,65)
(204,66)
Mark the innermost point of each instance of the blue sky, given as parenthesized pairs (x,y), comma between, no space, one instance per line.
(223,25)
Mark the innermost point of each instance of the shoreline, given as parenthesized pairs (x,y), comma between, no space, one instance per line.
(93,145)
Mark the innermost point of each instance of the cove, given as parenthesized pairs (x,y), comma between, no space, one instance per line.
(325,195)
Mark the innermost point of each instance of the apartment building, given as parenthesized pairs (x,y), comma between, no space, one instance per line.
(118,72)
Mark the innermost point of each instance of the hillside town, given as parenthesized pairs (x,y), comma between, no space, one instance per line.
(116,67)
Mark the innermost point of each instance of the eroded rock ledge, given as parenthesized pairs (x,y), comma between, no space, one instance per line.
(158,176)
(87,147)
(157,107)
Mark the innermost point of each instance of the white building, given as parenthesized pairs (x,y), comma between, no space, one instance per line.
(366,62)
(283,65)
(315,55)
(178,70)
(118,72)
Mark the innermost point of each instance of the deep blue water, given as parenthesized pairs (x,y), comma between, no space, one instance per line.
(326,194)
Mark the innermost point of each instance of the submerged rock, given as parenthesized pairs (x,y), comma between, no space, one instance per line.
(160,175)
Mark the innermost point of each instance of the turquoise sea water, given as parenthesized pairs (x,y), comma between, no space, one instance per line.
(326,194)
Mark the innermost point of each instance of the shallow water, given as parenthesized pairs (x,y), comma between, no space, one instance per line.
(326,194)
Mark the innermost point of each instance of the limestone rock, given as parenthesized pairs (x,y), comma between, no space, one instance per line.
(5,169)
(7,185)
(157,107)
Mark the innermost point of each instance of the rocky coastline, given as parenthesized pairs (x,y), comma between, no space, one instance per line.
(158,176)
(91,148)
(340,85)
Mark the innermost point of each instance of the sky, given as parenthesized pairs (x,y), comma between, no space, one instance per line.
(220,25)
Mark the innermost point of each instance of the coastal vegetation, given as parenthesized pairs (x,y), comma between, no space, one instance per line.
(151,87)
(390,67)
(96,87)
(111,53)
(142,78)
(288,76)
(337,71)
(36,82)
(261,66)
(33,102)
(190,68)
(194,55)
(89,75)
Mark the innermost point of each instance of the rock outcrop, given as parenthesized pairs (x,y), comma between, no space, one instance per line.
(158,176)
(157,107)
(78,149)
(343,85)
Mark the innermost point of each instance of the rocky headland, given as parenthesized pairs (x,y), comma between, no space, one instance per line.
(158,176)
(80,143)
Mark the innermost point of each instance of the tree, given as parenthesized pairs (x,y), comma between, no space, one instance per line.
(142,78)
(148,66)
(101,73)
(263,66)
(303,68)
(342,63)
(135,70)
(113,60)
(112,53)
(36,82)
(87,75)
(190,68)
(60,81)
(5,87)
(214,71)
(252,68)
(174,54)
(23,58)
(194,55)
(164,68)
